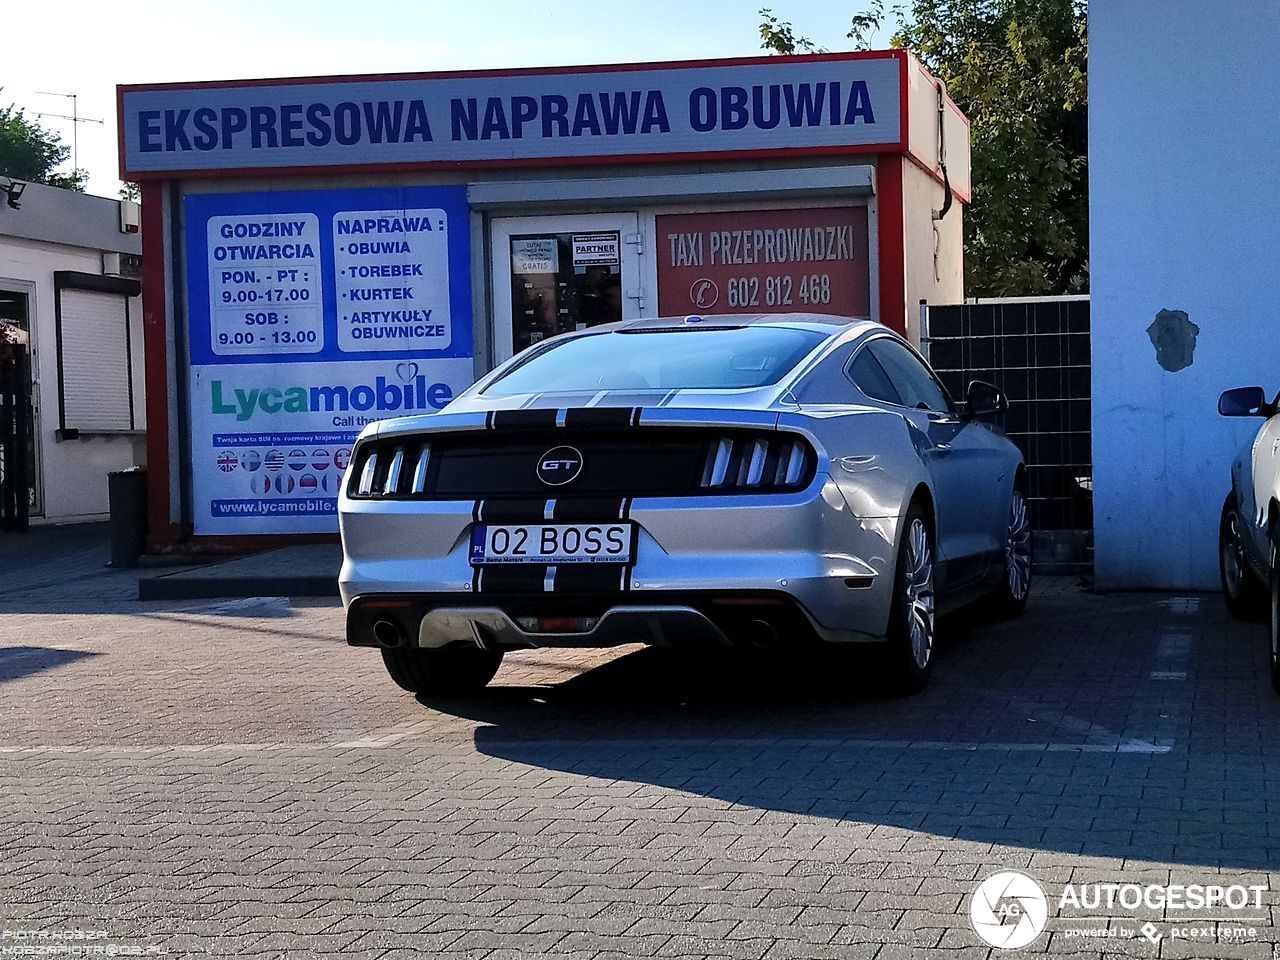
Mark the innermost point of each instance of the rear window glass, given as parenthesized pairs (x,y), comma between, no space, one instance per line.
(694,359)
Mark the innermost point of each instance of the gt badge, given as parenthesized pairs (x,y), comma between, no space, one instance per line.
(559,465)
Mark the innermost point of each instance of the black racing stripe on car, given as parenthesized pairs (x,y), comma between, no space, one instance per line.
(586,577)
(625,513)
(477,511)
(668,398)
(533,398)
(544,419)
(635,417)
(587,510)
(603,418)
(514,511)
(488,420)
(579,577)
(514,578)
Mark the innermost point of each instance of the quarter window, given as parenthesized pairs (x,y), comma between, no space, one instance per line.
(910,377)
(869,377)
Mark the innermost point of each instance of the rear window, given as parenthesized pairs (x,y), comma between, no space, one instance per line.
(688,359)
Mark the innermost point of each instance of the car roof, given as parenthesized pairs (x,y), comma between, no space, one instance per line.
(823,323)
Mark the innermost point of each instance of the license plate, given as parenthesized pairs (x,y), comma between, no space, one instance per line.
(552,543)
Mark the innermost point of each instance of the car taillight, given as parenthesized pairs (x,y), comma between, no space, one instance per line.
(758,463)
(391,468)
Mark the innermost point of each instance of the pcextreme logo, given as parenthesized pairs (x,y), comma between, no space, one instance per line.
(383,395)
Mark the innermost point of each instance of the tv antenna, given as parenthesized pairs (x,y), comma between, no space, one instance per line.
(76,120)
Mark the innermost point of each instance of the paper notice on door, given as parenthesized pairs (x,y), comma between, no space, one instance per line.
(595,249)
(534,255)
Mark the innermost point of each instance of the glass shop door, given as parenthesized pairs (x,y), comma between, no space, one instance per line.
(552,275)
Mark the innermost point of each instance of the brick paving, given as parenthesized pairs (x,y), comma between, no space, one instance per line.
(228,778)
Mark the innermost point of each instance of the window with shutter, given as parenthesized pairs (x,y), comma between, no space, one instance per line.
(95,354)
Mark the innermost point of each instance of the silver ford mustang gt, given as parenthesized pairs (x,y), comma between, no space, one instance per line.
(781,480)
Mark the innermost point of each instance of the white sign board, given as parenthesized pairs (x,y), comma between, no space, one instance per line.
(598,249)
(826,104)
(535,255)
(390,298)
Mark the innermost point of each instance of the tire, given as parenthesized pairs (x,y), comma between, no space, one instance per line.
(1015,583)
(912,618)
(1273,589)
(450,670)
(1244,592)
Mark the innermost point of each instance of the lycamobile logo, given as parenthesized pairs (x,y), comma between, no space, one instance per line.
(381,395)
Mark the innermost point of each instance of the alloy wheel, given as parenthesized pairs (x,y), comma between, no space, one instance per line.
(1233,555)
(1017,549)
(919,590)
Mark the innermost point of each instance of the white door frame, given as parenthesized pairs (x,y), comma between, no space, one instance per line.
(502,229)
(28,288)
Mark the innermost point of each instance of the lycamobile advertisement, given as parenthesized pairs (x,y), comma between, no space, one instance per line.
(313,314)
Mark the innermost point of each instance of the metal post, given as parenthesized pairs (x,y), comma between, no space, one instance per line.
(924,328)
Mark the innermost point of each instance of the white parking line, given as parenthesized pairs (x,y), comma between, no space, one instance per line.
(1172,653)
(1099,739)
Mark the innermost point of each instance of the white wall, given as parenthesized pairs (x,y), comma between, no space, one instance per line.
(933,250)
(933,261)
(922,135)
(1183,139)
(73,474)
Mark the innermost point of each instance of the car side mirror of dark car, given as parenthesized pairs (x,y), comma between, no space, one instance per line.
(982,399)
(1245,402)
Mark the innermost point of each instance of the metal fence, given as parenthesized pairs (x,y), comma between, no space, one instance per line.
(1037,352)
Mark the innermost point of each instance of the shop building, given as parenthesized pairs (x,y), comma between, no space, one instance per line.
(323,252)
(71,379)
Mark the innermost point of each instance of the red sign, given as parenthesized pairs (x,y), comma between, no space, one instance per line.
(764,261)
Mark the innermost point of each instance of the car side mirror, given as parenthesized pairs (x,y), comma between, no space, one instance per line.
(1244,402)
(983,399)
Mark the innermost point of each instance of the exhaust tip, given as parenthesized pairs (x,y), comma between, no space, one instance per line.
(388,634)
(761,633)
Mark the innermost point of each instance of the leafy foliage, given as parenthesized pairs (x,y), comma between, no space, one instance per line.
(1017,68)
(779,36)
(31,153)
(864,26)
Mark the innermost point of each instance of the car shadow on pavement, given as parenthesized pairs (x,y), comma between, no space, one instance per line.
(18,662)
(1047,733)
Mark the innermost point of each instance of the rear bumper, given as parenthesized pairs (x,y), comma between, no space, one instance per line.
(807,548)
(515,622)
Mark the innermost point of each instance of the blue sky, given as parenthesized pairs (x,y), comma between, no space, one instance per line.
(87,47)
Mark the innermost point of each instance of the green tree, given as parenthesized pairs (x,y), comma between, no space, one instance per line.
(31,153)
(131,191)
(780,37)
(1017,70)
